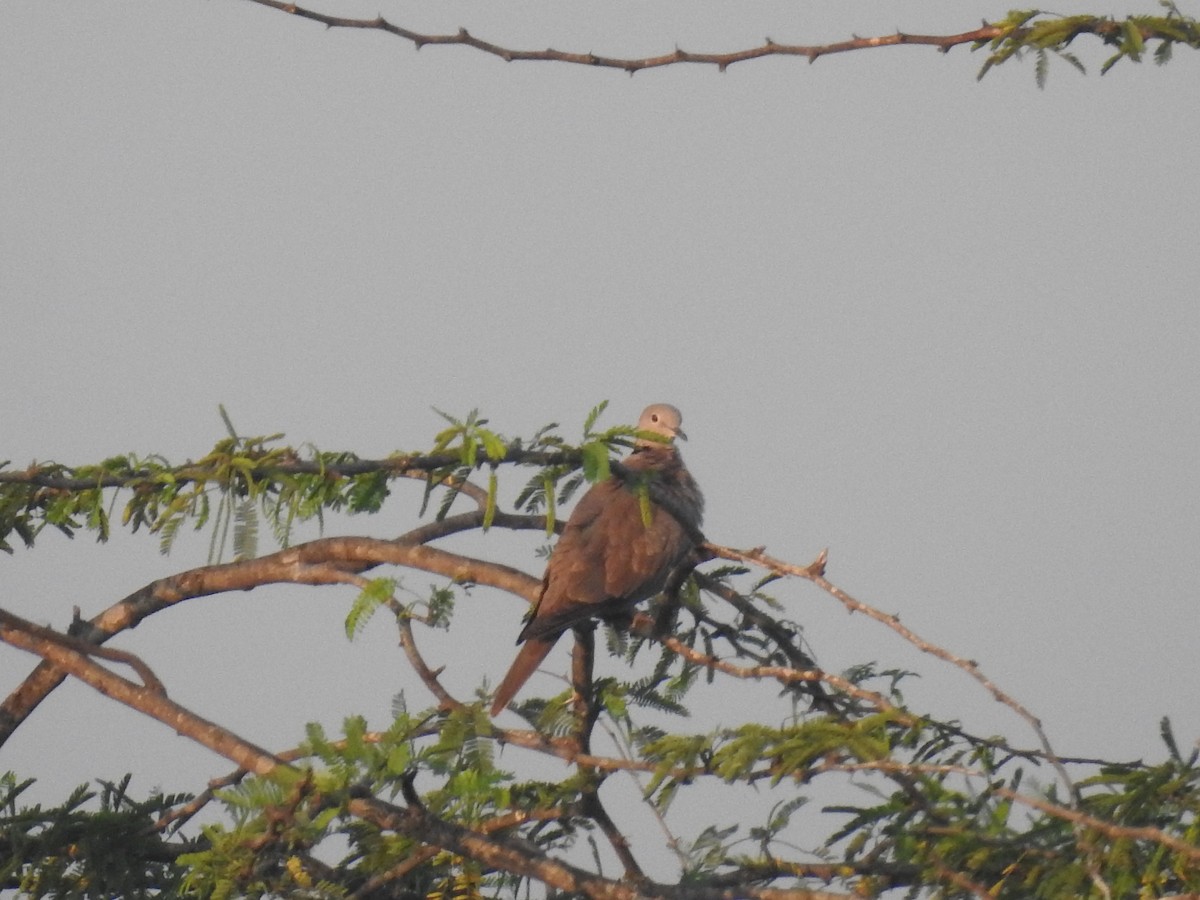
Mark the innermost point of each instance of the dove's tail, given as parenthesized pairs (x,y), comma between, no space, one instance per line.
(529,657)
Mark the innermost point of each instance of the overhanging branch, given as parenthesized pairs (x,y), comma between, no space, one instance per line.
(1018,32)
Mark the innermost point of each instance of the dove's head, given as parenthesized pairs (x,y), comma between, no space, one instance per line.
(661,419)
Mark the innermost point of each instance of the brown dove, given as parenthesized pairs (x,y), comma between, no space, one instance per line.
(608,557)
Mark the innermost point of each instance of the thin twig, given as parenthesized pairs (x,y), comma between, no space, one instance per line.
(149,679)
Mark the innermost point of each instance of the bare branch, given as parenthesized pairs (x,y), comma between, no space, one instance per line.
(427,675)
(643,626)
(146,700)
(815,572)
(324,561)
(1111,829)
(722,61)
(41,633)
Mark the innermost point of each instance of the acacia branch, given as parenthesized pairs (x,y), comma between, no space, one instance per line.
(1110,829)
(1006,39)
(413,821)
(48,635)
(323,561)
(144,699)
(428,676)
(722,61)
(56,477)
(815,572)
(785,675)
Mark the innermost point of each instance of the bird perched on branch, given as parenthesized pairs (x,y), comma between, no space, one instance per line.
(610,555)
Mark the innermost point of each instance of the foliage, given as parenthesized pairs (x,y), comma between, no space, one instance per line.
(421,807)
(241,475)
(1035,32)
(75,851)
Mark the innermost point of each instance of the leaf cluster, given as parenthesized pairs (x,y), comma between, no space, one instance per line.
(93,844)
(280,827)
(1041,34)
(243,479)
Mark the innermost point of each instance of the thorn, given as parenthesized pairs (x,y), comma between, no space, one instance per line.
(817,566)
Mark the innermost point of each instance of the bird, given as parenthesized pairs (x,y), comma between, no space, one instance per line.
(609,556)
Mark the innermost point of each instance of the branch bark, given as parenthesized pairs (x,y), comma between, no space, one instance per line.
(721,61)
(324,561)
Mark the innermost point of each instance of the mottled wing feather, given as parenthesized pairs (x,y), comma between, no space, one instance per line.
(607,557)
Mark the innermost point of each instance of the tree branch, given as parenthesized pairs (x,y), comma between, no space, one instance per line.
(144,699)
(414,821)
(1007,38)
(48,635)
(324,561)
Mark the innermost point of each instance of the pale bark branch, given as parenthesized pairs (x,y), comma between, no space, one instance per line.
(323,561)
(145,700)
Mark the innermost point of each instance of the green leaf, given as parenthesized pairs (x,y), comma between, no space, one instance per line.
(1135,46)
(595,461)
(245,530)
(548,495)
(645,506)
(593,416)
(493,445)
(489,512)
(377,592)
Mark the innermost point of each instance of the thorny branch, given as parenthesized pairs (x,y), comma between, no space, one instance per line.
(815,572)
(1106,29)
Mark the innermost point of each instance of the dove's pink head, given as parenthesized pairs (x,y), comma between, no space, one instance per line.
(661,419)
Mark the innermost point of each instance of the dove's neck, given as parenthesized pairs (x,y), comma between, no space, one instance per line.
(647,455)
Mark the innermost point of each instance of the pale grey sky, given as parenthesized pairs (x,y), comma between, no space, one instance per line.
(948,329)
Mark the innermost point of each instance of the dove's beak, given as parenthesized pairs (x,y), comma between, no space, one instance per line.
(679,434)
